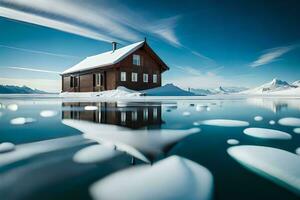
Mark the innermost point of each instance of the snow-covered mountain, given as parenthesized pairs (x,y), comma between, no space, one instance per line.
(167,90)
(11,89)
(275,86)
(296,83)
(219,90)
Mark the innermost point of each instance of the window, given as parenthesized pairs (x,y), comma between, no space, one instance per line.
(123,76)
(154,78)
(145,114)
(71,81)
(74,81)
(145,78)
(136,60)
(123,117)
(98,79)
(134,115)
(134,77)
(154,113)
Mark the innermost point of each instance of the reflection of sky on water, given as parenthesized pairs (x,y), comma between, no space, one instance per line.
(208,147)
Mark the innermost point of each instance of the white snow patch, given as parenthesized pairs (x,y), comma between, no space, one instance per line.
(202,108)
(258,118)
(167,90)
(266,133)
(272,122)
(172,178)
(48,113)
(279,166)
(186,113)
(233,141)
(22,120)
(90,108)
(6,147)
(289,121)
(12,107)
(297,130)
(95,154)
(225,122)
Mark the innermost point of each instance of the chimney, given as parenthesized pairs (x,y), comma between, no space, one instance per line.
(114,46)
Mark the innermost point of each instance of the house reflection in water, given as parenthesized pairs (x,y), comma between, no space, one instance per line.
(131,115)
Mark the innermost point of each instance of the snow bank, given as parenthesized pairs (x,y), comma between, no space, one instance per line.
(167,90)
(120,92)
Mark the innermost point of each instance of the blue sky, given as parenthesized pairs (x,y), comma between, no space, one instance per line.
(205,43)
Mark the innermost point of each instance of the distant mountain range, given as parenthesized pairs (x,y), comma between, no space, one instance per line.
(276,87)
(219,90)
(11,89)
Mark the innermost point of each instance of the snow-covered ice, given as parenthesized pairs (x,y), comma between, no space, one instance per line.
(48,113)
(6,147)
(266,133)
(186,113)
(22,120)
(272,122)
(171,178)
(225,122)
(289,121)
(95,154)
(12,107)
(233,141)
(279,166)
(258,118)
(298,151)
(297,130)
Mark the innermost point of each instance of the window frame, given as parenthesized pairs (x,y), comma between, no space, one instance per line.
(145,77)
(136,59)
(122,73)
(132,77)
(154,80)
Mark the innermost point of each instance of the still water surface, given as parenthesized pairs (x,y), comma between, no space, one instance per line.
(44,168)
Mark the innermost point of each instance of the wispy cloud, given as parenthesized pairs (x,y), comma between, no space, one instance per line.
(34,70)
(272,55)
(38,52)
(101,22)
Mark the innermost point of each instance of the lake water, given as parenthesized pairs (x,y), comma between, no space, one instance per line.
(52,131)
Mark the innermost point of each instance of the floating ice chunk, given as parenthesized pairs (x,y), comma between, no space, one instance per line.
(95,154)
(201,108)
(48,113)
(266,133)
(258,118)
(298,151)
(172,178)
(142,144)
(12,107)
(289,121)
(233,141)
(90,108)
(196,123)
(297,130)
(28,150)
(6,146)
(22,120)
(272,122)
(225,122)
(186,113)
(279,166)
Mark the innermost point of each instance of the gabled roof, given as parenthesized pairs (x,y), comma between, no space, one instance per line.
(104,59)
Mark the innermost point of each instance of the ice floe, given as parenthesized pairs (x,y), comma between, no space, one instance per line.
(28,150)
(297,130)
(22,120)
(202,107)
(289,121)
(298,151)
(272,122)
(196,123)
(90,108)
(225,122)
(233,141)
(172,178)
(142,144)
(48,113)
(6,147)
(266,133)
(279,166)
(186,113)
(258,118)
(95,154)
(12,107)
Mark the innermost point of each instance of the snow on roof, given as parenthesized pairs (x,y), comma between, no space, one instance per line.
(104,59)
